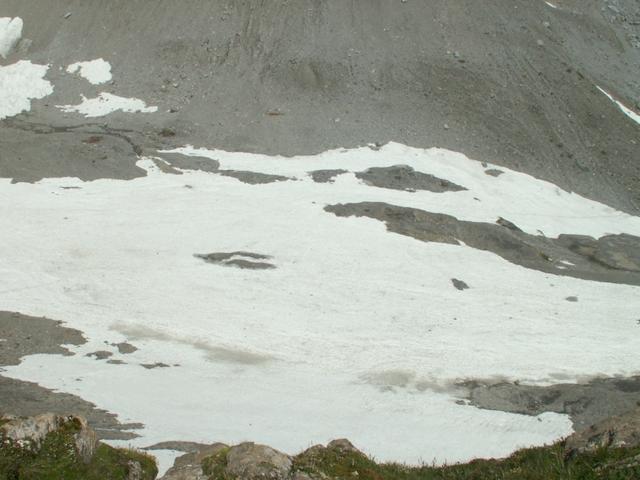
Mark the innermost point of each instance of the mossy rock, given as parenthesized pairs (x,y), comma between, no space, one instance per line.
(57,459)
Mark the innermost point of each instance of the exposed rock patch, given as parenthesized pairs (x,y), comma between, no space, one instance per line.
(459,284)
(125,348)
(180,446)
(613,432)
(404,177)
(326,176)
(493,172)
(151,366)
(239,259)
(100,354)
(187,162)
(253,178)
(586,403)
(612,258)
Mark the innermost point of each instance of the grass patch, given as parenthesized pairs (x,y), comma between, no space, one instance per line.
(214,465)
(544,463)
(57,459)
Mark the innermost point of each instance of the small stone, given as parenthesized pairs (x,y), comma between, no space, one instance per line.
(571,299)
(446,126)
(540,43)
(67,15)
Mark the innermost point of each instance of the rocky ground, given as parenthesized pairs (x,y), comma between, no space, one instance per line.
(509,82)
(50,447)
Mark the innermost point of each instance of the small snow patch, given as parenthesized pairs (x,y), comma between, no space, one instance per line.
(10,34)
(19,84)
(627,111)
(107,103)
(96,71)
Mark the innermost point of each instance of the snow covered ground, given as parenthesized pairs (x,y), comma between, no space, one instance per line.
(96,71)
(20,83)
(357,332)
(106,103)
(10,34)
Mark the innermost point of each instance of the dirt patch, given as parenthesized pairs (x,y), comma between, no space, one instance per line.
(214,353)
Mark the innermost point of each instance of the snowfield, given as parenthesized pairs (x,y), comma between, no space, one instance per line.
(357,332)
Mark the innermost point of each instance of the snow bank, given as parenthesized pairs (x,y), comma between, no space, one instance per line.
(19,84)
(95,71)
(107,103)
(357,332)
(10,33)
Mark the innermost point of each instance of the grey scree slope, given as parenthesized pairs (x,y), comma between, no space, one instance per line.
(511,82)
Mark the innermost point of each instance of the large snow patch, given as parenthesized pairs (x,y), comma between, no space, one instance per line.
(357,332)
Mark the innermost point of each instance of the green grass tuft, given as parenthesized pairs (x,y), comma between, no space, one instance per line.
(544,463)
(57,460)
(214,465)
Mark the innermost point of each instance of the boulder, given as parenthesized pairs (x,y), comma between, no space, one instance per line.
(343,445)
(251,461)
(30,432)
(614,432)
(189,466)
